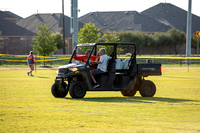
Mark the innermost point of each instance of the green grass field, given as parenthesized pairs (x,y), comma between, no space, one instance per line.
(27,105)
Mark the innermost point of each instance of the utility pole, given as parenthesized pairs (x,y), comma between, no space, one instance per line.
(198,45)
(189,32)
(74,22)
(63,27)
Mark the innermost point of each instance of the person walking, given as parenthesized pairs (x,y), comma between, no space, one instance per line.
(31,61)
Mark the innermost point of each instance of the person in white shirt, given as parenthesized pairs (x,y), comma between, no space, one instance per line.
(102,66)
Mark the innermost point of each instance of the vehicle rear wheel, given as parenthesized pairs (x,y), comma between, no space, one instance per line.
(59,91)
(77,89)
(128,92)
(148,89)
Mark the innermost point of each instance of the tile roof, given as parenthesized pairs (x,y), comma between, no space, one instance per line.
(173,15)
(8,14)
(8,28)
(123,20)
(53,20)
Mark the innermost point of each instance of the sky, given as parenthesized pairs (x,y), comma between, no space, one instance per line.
(25,8)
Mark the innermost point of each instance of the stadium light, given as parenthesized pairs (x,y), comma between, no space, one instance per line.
(63,27)
(189,32)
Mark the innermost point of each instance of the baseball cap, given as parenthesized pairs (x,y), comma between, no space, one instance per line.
(88,51)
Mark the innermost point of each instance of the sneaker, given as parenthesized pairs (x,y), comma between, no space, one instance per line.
(28,73)
(32,75)
(96,85)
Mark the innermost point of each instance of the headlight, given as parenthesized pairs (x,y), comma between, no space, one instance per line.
(56,73)
(73,69)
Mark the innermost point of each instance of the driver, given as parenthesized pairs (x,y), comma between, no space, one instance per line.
(84,58)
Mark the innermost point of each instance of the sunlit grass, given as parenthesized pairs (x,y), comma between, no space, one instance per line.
(27,105)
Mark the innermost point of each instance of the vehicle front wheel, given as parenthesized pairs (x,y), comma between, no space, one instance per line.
(59,91)
(77,89)
(129,93)
(148,89)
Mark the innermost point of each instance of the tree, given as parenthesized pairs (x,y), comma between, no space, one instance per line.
(177,38)
(89,34)
(111,36)
(162,40)
(58,38)
(1,44)
(44,43)
(194,41)
(133,37)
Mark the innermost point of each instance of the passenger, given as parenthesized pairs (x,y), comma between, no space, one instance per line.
(102,66)
(31,62)
(84,58)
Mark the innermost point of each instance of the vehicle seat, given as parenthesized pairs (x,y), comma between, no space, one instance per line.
(125,64)
(119,64)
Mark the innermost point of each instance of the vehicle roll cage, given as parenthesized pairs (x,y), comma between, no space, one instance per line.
(113,54)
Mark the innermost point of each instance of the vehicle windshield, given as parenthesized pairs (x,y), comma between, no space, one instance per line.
(81,54)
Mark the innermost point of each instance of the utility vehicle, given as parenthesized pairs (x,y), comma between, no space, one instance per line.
(123,73)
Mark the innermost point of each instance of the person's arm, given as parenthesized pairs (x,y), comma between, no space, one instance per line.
(97,62)
(34,60)
(27,60)
(79,58)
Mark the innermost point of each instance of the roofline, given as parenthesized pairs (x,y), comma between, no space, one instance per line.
(16,36)
(103,43)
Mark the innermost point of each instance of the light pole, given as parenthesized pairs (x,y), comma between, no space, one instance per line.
(74,23)
(63,27)
(189,32)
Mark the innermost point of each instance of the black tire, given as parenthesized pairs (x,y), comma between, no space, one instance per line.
(59,92)
(129,93)
(77,89)
(148,89)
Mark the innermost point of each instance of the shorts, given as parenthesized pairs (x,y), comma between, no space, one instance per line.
(97,71)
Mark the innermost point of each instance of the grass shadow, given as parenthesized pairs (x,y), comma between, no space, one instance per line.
(41,77)
(179,77)
(46,66)
(134,99)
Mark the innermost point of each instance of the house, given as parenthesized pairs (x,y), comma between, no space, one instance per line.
(55,21)
(13,38)
(172,16)
(124,21)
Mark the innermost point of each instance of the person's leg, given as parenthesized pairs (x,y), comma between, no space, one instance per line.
(94,72)
(31,69)
(92,77)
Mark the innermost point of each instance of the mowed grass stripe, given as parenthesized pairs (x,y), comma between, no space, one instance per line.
(27,105)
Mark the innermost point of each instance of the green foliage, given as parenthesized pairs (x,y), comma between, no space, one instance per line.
(1,42)
(89,34)
(111,36)
(58,38)
(130,36)
(176,38)
(161,40)
(140,38)
(194,41)
(44,43)
(172,38)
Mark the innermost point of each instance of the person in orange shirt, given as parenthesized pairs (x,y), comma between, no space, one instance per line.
(84,58)
(31,62)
